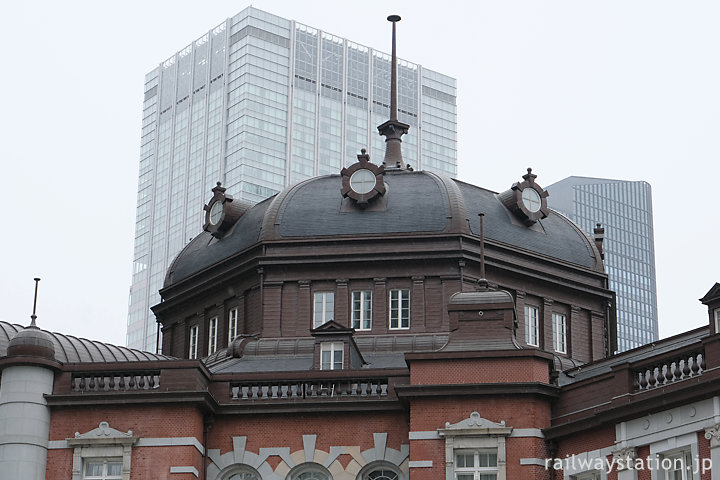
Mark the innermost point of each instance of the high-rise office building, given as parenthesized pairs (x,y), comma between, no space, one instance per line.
(624,209)
(260,102)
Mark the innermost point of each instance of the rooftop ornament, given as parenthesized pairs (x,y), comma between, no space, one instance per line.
(393,129)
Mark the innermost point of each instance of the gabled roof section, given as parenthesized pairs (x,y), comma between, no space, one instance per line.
(712,295)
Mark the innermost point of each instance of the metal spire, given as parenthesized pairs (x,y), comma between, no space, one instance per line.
(393,129)
(33,317)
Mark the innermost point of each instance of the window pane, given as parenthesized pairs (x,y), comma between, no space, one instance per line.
(94,469)
(487,476)
(114,469)
(465,476)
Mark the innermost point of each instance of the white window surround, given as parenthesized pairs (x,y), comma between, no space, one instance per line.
(671,448)
(399,309)
(717,320)
(100,444)
(361,309)
(474,434)
(193,342)
(332,355)
(324,308)
(232,324)
(532,315)
(212,335)
(559,332)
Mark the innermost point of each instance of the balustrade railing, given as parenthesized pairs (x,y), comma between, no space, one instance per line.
(669,370)
(316,389)
(114,381)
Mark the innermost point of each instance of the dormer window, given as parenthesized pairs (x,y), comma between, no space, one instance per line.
(717,320)
(331,355)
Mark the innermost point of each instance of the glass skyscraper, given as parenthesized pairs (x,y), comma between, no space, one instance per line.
(260,102)
(624,209)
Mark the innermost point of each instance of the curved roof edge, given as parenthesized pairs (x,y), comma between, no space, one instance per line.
(70,349)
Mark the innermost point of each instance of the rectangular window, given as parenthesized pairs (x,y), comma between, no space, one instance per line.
(212,335)
(399,309)
(477,465)
(102,469)
(324,308)
(192,353)
(362,310)
(531,325)
(586,476)
(560,332)
(717,320)
(677,466)
(232,325)
(331,356)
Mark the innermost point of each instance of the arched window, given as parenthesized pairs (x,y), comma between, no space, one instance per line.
(241,472)
(381,474)
(312,475)
(309,471)
(380,470)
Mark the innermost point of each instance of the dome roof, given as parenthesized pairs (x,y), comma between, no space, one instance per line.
(66,348)
(414,203)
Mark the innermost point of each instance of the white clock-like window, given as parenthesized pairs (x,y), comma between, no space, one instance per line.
(216,212)
(362,181)
(531,200)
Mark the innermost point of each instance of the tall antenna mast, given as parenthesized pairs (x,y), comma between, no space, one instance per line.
(483,280)
(393,129)
(33,317)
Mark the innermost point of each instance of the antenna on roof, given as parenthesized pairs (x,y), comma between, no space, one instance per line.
(482,281)
(393,129)
(33,316)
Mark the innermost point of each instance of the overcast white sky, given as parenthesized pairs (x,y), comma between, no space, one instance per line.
(615,89)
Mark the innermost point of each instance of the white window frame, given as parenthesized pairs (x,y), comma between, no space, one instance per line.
(361,316)
(193,343)
(332,348)
(101,444)
(717,320)
(672,447)
(476,470)
(399,316)
(212,335)
(532,324)
(104,475)
(683,459)
(324,314)
(559,332)
(593,475)
(232,325)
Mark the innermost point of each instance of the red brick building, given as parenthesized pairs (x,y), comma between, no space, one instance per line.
(371,326)
(377,324)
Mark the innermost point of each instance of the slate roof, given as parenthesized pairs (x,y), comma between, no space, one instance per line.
(415,202)
(69,349)
(296,354)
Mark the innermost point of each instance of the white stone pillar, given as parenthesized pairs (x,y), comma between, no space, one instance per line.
(625,459)
(24,421)
(713,434)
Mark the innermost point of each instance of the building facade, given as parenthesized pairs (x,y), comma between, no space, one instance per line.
(371,325)
(624,210)
(259,103)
